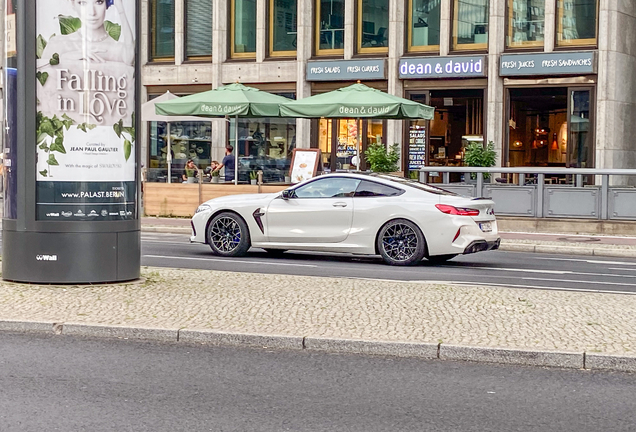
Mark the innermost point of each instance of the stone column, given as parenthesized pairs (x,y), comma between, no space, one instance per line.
(261,30)
(303,54)
(179,31)
(397,18)
(445,27)
(550,25)
(349,28)
(495,108)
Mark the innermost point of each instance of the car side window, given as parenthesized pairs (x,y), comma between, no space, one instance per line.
(372,189)
(334,187)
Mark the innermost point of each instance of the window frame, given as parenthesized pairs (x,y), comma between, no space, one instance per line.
(185,36)
(359,47)
(270,31)
(575,43)
(152,22)
(328,51)
(234,54)
(538,45)
(409,35)
(481,47)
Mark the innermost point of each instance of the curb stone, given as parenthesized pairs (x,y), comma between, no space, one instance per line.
(513,356)
(430,351)
(610,362)
(398,349)
(240,339)
(157,334)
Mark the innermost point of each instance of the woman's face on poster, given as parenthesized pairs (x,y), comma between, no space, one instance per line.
(92,12)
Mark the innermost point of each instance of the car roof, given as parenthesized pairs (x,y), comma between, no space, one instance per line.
(393,180)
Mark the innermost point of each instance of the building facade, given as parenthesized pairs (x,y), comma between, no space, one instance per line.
(549,82)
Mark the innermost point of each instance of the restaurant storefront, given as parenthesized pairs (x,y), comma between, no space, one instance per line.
(456,88)
(337,139)
(550,106)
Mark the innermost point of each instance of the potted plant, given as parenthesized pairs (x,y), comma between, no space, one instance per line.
(253,177)
(214,176)
(478,155)
(381,159)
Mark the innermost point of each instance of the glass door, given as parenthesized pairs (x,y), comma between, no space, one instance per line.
(580,148)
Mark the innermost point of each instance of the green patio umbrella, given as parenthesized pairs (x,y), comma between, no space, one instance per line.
(356,101)
(234,100)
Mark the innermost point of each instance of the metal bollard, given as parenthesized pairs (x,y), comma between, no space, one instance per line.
(259,179)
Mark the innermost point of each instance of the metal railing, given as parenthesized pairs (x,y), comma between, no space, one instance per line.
(585,193)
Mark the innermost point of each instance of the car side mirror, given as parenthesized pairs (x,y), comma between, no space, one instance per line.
(286,194)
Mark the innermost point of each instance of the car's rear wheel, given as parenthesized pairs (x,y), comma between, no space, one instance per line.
(438,259)
(228,235)
(400,242)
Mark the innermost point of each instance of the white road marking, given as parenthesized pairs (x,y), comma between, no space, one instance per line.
(557,272)
(539,287)
(579,281)
(625,263)
(229,261)
(569,235)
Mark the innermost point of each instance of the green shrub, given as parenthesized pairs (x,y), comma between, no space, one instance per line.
(382,160)
(478,155)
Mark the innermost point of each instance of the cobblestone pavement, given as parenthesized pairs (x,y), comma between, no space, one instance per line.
(339,308)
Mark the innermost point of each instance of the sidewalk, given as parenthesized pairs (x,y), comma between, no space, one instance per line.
(597,245)
(545,328)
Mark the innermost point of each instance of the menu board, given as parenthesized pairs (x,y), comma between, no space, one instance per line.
(304,164)
(417,147)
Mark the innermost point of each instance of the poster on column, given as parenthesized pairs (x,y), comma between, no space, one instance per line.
(85,110)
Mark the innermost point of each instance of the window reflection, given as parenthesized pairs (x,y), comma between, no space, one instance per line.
(470,24)
(576,22)
(162,29)
(198,28)
(526,23)
(283,27)
(373,25)
(424,25)
(330,26)
(243,28)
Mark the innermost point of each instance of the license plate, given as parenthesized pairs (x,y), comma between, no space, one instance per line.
(486,226)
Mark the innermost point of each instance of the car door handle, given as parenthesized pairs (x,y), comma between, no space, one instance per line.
(339,204)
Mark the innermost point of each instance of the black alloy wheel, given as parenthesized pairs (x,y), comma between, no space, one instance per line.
(400,242)
(228,235)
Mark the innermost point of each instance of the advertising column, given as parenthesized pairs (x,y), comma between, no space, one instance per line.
(72,148)
(85,111)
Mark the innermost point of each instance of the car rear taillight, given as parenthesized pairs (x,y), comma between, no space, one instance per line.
(458,211)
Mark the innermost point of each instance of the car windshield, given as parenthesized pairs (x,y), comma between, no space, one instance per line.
(414,184)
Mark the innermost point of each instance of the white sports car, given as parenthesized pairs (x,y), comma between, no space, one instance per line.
(401,220)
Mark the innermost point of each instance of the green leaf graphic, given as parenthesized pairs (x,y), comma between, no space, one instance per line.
(40,44)
(127,149)
(43,173)
(58,145)
(41,137)
(113,30)
(67,121)
(55,59)
(118,127)
(52,160)
(42,77)
(69,24)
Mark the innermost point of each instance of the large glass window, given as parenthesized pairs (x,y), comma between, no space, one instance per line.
(162,30)
(526,23)
(283,16)
(551,127)
(198,29)
(329,27)
(470,24)
(188,141)
(576,22)
(338,142)
(243,21)
(424,25)
(373,26)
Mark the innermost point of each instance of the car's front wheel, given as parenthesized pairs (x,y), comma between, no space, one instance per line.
(228,235)
(400,242)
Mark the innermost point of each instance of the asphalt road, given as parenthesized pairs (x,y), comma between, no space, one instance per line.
(60,383)
(494,268)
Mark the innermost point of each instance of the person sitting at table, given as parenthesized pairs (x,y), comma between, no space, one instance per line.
(213,166)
